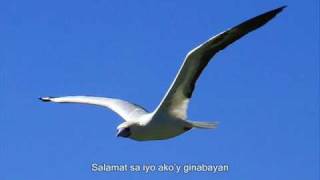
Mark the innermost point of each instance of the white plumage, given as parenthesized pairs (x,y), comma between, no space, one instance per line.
(170,119)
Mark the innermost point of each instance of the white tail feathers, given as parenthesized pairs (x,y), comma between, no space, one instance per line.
(204,125)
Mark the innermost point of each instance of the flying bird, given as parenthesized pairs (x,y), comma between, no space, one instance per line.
(170,119)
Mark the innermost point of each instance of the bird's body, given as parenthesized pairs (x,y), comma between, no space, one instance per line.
(169,119)
(159,127)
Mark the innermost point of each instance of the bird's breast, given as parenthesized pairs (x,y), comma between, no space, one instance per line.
(158,129)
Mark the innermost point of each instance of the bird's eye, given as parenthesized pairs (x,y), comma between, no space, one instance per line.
(124,132)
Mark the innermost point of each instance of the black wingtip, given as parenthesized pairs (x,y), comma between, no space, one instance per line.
(260,20)
(45,99)
(283,7)
(279,9)
(274,12)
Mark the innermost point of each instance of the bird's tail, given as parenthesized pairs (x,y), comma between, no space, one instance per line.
(203,125)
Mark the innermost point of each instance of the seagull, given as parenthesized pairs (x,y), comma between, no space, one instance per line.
(170,119)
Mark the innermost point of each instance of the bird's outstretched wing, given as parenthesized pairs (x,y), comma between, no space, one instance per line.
(176,100)
(128,111)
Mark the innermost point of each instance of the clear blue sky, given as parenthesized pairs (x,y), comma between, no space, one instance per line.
(264,89)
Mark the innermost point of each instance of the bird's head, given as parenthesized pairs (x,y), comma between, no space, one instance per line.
(126,129)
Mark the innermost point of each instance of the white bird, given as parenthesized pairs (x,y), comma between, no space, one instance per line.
(169,119)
